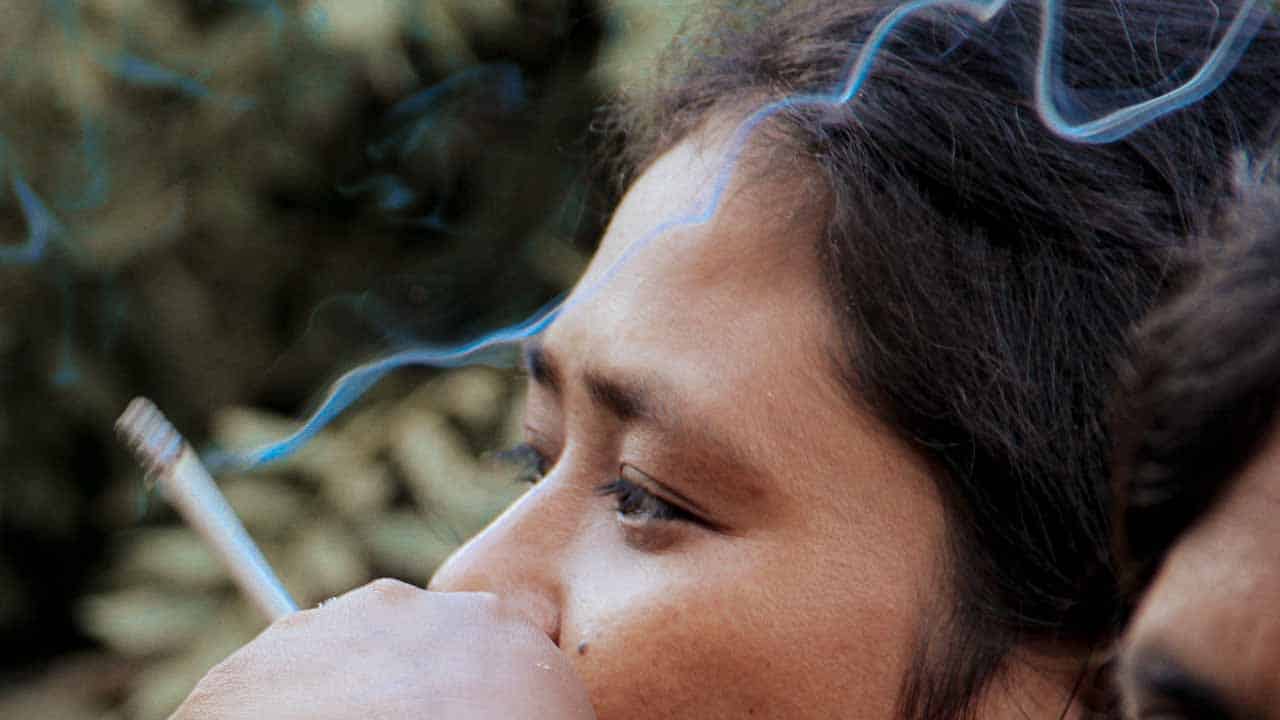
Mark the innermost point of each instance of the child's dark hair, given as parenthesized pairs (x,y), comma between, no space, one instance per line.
(986,272)
(1202,392)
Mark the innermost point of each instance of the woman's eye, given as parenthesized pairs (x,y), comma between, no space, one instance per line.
(533,465)
(636,503)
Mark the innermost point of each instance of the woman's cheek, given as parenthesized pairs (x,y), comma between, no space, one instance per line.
(662,635)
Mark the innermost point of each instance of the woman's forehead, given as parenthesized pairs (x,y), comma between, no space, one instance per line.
(672,277)
(706,205)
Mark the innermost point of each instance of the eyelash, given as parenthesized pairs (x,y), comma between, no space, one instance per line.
(633,501)
(532,464)
(636,502)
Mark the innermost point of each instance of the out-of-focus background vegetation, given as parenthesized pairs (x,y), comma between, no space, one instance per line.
(222,205)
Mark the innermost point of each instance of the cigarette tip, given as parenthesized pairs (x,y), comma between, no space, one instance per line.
(149,434)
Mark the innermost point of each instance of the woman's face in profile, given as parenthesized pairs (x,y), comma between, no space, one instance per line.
(718,530)
(1205,641)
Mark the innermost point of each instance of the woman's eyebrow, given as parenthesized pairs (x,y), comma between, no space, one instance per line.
(627,399)
(540,366)
(645,399)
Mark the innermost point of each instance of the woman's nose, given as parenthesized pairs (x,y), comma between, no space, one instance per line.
(511,558)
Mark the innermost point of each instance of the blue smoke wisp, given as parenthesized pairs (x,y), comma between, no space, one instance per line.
(145,73)
(42,229)
(1116,124)
(98,184)
(41,226)
(414,118)
(352,385)
(1108,127)
(66,373)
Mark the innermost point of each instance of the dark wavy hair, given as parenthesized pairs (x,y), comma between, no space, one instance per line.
(1202,392)
(985,272)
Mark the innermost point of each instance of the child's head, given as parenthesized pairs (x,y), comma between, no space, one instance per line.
(1198,483)
(852,425)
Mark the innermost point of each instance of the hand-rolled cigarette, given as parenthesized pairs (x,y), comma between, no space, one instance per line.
(186,484)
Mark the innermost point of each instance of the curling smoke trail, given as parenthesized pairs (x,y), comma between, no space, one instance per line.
(66,373)
(42,229)
(1109,127)
(348,388)
(41,226)
(415,133)
(1119,123)
(98,184)
(144,73)
(415,118)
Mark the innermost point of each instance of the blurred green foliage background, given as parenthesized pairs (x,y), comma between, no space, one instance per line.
(222,205)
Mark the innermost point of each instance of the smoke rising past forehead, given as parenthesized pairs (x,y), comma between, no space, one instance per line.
(415,139)
(1053,102)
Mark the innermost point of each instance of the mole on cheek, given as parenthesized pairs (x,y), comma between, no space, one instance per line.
(582,648)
